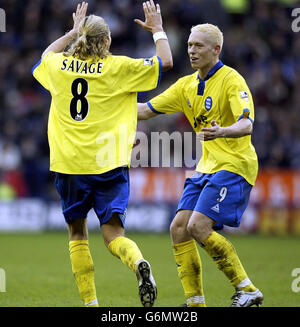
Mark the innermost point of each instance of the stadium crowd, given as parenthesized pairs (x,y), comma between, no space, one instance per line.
(259,43)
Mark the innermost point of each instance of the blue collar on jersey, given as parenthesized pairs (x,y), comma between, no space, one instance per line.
(201,85)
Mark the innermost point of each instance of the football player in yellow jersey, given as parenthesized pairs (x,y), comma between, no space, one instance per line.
(217,102)
(92,118)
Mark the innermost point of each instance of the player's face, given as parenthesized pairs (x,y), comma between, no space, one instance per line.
(201,51)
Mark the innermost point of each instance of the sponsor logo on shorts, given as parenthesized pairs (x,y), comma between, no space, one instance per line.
(216,208)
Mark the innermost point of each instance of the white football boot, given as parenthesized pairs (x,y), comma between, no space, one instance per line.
(147,286)
(247,299)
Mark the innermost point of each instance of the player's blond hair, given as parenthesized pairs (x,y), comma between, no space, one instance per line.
(213,32)
(92,40)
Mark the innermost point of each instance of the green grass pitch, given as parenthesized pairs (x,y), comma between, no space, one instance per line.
(38,271)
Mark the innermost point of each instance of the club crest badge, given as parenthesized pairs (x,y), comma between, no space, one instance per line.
(208,103)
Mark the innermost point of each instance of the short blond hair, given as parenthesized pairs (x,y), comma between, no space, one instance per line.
(93,31)
(213,32)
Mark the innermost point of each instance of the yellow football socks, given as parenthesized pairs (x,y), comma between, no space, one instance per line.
(83,271)
(189,269)
(126,250)
(227,260)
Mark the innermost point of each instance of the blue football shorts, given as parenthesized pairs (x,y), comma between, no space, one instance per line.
(106,193)
(222,196)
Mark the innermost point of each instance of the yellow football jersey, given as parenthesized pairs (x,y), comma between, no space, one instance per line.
(224,97)
(93,113)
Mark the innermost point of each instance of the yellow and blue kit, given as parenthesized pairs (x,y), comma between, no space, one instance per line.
(92,124)
(222,96)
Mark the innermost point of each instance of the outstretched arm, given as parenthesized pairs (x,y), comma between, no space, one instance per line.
(153,23)
(61,43)
(241,128)
(144,112)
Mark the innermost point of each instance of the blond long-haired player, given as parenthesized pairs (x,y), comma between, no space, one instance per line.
(92,118)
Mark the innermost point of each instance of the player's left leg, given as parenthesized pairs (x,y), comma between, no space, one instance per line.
(218,247)
(81,260)
(225,256)
(120,246)
(74,191)
(188,261)
(129,253)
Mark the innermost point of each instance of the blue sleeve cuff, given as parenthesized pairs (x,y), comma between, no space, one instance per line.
(152,108)
(246,114)
(160,71)
(36,65)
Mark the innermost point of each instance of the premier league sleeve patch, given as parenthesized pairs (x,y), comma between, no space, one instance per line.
(148,62)
(244,95)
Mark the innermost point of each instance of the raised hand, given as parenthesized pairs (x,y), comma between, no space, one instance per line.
(153,19)
(62,42)
(79,15)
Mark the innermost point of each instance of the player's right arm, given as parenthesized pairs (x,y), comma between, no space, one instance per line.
(168,102)
(153,23)
(144,112)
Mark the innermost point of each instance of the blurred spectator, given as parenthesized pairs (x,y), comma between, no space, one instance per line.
(259,42)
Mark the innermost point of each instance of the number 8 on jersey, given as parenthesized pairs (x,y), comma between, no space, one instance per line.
(79,91)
